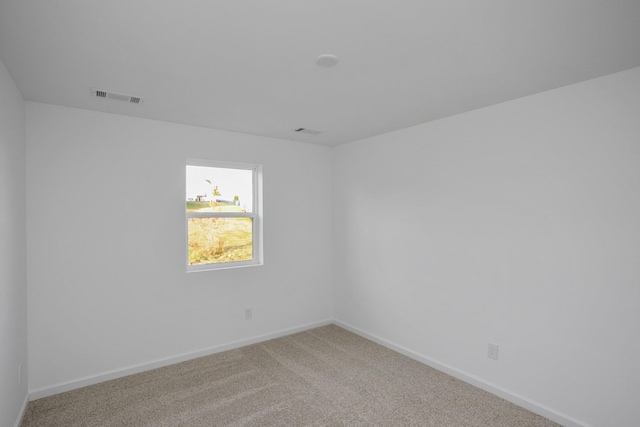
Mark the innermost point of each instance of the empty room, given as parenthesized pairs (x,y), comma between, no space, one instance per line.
(327,213)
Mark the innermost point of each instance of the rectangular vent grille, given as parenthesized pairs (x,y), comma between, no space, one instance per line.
(308,131)
(116,96)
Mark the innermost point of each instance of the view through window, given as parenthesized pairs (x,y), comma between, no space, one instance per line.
(222,224)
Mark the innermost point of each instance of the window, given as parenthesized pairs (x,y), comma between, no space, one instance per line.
(223,215)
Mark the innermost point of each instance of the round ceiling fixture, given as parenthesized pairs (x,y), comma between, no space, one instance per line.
(327,60)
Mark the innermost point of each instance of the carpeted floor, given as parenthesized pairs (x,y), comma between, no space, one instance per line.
(322,377)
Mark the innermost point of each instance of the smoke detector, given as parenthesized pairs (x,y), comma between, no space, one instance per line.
(116,96)
(327,60)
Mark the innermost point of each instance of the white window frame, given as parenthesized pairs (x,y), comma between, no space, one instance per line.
(255,215)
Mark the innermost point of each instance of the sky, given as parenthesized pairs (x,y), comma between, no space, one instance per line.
(230,182)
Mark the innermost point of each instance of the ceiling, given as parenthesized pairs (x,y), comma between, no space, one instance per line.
(248,66)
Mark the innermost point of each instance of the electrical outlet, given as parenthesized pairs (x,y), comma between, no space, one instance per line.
(248,313)
(20,373)
(492,351)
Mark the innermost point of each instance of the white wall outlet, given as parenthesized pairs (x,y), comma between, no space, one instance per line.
(20,373)
(248,313)
(492,351)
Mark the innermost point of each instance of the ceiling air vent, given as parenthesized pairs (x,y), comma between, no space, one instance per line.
(116,96)
(308,131)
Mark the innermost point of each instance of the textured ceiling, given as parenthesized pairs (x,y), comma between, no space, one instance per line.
(248,66)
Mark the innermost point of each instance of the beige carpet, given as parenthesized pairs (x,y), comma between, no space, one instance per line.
(322,377)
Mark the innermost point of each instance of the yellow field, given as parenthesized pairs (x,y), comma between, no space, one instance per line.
(214,240)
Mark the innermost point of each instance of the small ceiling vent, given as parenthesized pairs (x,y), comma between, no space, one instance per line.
(308,131)
(116,96)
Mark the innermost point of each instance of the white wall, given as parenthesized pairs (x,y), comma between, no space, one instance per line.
(106,244)
(13,276)
(517,224)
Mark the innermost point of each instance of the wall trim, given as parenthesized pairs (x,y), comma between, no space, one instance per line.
(497,390)
(23,410)
(494,389)
(159,363)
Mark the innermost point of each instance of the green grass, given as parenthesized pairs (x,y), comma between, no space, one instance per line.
(222,207)
(192,206)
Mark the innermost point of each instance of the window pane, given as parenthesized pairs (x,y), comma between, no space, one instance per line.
(214,240)
(219,189)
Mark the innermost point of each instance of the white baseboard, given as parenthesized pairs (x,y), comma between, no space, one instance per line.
(508,395)
(23,409)
(118,373)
